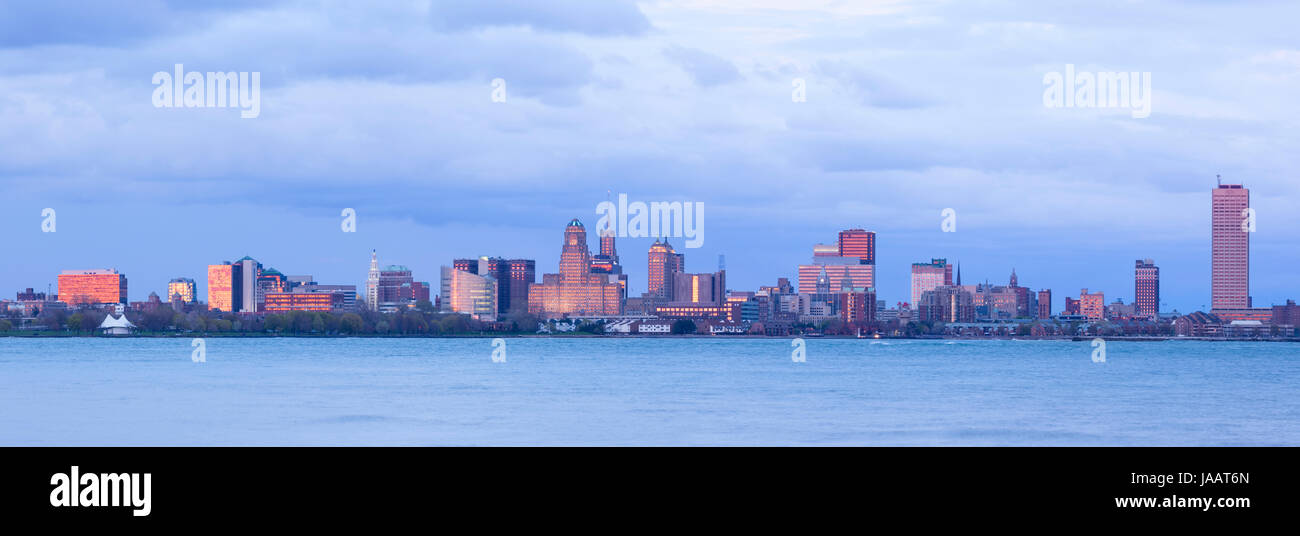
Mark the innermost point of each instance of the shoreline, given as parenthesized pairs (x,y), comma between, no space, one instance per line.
(65,335)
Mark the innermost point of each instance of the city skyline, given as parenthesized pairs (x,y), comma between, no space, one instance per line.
(242,280)
(911,108)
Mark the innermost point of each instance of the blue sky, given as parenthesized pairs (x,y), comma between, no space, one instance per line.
(385,107)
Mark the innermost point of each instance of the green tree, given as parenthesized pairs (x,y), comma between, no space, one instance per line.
(6,325)
(74,322)
(351,323)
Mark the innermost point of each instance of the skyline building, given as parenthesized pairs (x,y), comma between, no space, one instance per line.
(575,290)
(372,282)
(1045,304)
(182,287)
(1146,288)
(1230,248)
(858,243)
(469,292)
(929,276)
(224,287)
(92,287)
(662,263)
(513,277)
(1092,305)
(704,289)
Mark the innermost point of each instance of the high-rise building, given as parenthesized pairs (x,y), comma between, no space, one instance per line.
(1230,248)
(1146,288)
(858,243)
(1044,304)
(181,289)
(224,292)
(250,271)
(513,277)
(470,293)
(92,287)
(663,262)
(1092,305)
(575,290)
(372,282)
(929,276)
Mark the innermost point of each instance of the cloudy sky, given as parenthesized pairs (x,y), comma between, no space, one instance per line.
(911,107)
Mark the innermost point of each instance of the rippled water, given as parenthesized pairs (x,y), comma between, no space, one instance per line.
(659,391)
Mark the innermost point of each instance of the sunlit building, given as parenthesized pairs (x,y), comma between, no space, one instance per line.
(929,276)
(663,262)
(224,292)
(575,290)
(92,287)
(181,289)
(858,243)
(470,293)
(1092,305)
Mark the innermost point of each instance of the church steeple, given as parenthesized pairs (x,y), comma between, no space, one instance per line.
(1015,281)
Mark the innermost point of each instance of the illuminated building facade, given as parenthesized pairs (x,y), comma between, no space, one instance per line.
(858,243)
(1146,288)
(729,312)
(929,276)
(181,289)
(470,293)
(281,302)
(663,262)
(92,287)
(1092,305)
(224,287)
(575,290)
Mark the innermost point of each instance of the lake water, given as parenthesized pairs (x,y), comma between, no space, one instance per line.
(656,391)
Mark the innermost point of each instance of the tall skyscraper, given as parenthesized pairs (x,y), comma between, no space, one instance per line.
(575,290)
(1146,288)
(929,276)
(1230,248)
(92,287)
(858,243)
(372,283)
(224,290)
(250,271)
(663,262)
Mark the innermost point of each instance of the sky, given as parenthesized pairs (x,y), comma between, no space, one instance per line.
(910,108)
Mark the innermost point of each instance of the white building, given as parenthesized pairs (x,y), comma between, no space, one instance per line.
(116,325)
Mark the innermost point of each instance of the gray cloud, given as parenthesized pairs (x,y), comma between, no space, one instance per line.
(704,68)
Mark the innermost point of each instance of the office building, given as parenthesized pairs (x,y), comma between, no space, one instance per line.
(92,287)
